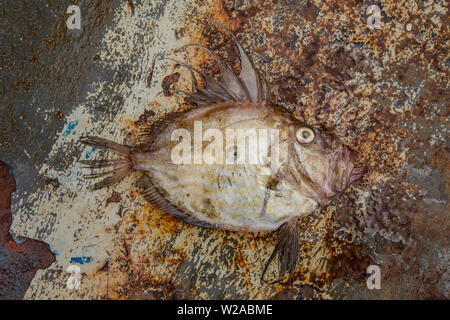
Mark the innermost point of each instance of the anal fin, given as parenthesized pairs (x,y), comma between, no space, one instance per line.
(154,196)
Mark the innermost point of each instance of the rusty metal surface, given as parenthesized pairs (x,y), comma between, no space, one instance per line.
(384,92)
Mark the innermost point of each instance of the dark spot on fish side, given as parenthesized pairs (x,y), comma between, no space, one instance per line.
(209,209)
(235,153)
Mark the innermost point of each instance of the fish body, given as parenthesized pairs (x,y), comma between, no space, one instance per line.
(235,162)
(233,196)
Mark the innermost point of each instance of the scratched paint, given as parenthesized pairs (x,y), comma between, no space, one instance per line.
(368,87)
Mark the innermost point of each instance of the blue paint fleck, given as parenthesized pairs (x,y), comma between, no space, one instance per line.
(89,153)
(11,172)
(70,126)
(80,260)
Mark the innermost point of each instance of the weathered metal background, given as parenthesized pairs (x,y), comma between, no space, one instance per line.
(384,92)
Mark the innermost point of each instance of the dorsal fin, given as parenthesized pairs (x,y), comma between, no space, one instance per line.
(248,86)
(211,85)
(229,79)
(146,134)
(249,76)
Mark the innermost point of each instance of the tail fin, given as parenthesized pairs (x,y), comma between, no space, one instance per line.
(121,167)
(286,248)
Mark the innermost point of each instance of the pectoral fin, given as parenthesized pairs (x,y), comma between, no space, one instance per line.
(357,173)
(286,248)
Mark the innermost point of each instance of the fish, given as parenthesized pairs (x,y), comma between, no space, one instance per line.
(234,161)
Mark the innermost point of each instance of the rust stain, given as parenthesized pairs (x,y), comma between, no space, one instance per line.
(115,198)
(168,81)
(19,262)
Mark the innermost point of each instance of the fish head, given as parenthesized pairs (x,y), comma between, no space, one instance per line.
(324,162)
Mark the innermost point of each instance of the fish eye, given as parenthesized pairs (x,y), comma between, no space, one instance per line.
(305,135)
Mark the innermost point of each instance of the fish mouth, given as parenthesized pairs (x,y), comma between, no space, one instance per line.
(356,172)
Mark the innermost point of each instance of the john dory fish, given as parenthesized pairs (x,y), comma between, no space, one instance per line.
(299,167)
